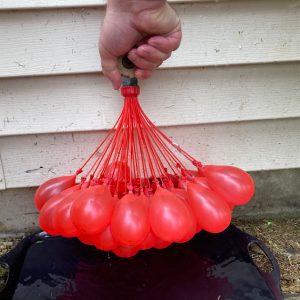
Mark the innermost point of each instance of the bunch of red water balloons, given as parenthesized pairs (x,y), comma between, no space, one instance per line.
(128,201)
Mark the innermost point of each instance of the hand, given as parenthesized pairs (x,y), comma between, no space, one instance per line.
(146,30)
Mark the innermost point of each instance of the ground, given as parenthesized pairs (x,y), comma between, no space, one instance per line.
(281,233)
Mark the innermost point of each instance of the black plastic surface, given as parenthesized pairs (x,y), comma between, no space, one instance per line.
(211,266)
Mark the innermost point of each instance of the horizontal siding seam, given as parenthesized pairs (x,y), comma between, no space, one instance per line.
(162,127)
(208,66)
(33,4)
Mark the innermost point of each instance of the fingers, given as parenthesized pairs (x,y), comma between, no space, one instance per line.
(151,54)
(142,74)
(144,62)
(167,43)
(110,66)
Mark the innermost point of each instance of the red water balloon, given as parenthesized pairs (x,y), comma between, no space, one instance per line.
(130,221)
(160,244)
(92,210)
(232,184)
(169,216)
(202,181)
(105,240)
(152,199)
(125,252)
(51,188)
(181,193)
(149,241)
(192,225)
(182,184)
(118,171)
(62,216)
(88,239)
(46,213)
(212,213)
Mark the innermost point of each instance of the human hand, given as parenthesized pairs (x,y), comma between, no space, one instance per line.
(147,31)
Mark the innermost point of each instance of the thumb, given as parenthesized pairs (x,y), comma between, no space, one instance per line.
(109,65)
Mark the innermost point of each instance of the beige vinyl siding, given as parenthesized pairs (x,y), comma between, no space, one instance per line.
(63,41)
(29,160)
(2,179)
(36,4)
(48,104)
(229,95)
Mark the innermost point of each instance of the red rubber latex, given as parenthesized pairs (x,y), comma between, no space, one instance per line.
(149,241)
(181,193)
(92,210)
(159,244)
(212,213)
(62,216)
(46,214)
(125,252)
(52,187)
(202,181)
(169,216)
(88,239)
(130,221)
(118,171)
(105,240)
(182,184)
(192,224)
(232,184)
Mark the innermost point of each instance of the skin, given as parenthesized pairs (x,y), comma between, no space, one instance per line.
(145,30)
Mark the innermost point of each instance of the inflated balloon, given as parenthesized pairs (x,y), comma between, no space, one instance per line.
(182,184)
(118,171)
(149,241)
(46,213)
(233,184)
(92,210)
(130,223)
(192,225)
(160,244)
(88,239)
(105,240)
(181,193)
(62,216)
(136,191)
(202,181)
(125,252)
(169,216)
(51,188)
(212,213)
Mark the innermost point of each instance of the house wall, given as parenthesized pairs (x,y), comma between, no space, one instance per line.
(229,95)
